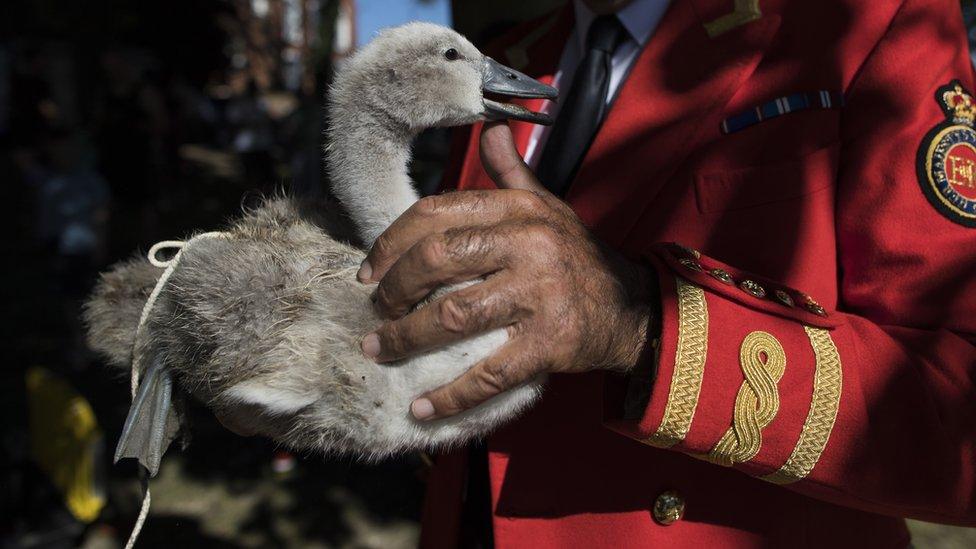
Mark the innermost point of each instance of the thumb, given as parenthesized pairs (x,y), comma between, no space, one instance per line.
(503,163)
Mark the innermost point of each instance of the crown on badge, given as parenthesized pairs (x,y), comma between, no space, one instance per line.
(960,105)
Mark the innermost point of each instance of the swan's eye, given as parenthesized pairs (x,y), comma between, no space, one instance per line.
(452,54)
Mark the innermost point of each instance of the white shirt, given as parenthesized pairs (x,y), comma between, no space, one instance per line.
(639,18)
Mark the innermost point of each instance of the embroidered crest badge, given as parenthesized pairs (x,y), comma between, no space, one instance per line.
(946,160)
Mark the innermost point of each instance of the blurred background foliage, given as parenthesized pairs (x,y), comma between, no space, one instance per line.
(126,122)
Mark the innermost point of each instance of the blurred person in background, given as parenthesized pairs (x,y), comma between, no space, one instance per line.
(131,124)
(72,201)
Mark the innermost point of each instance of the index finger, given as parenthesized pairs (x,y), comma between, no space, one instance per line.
(438,213)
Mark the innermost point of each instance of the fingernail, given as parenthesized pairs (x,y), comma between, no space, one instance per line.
(365,272)
(371,345)
(422,408)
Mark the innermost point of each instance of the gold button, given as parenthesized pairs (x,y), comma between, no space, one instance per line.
(685,250)
(691,264)
(815,309)
(753,288)
(669,507)
(811,305)
(722,276)
(783,298)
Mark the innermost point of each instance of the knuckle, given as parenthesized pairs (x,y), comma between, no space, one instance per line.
(382,247)
(478,200)
(432,251)
(494,377)
(391,341)
(428,205)
(530,201)
(462,242)
(542,234)
(454,314)
(385,299)
(468,395)
(389,298)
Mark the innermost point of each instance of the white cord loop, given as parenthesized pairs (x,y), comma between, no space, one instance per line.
(165,244)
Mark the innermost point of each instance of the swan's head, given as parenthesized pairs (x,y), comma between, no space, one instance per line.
(424,75)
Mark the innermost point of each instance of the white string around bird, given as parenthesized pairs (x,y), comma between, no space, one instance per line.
(170,266)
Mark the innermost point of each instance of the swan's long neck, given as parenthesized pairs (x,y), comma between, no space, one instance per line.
(368,154)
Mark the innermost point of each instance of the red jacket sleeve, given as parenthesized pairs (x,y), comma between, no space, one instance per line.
(869,402)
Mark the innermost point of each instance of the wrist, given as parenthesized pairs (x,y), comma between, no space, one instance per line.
(642,329)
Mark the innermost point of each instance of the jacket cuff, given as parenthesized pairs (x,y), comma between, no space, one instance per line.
(723,390)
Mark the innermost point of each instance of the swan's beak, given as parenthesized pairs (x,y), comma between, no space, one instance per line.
(501,81)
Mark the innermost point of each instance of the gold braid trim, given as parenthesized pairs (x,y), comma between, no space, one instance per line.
(827,383)
(743,12)
(689,367)
(763,362)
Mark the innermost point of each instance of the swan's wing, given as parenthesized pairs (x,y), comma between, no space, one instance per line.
(152,423)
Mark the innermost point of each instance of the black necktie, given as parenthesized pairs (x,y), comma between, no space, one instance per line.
(583,108)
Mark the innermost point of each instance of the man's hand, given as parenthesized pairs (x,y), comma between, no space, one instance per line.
(568,303)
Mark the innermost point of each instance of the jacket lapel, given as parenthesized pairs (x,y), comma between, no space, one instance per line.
(669,103)
(539,53)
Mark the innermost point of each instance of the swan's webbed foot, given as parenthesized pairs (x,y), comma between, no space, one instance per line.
(152,423)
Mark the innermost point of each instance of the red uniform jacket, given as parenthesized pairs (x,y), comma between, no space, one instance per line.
(816,374)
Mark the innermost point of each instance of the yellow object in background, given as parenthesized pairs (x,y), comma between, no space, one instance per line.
(65,441)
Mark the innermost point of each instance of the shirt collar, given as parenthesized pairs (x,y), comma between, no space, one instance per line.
(639,18)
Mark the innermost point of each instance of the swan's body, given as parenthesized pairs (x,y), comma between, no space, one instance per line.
(270,317)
